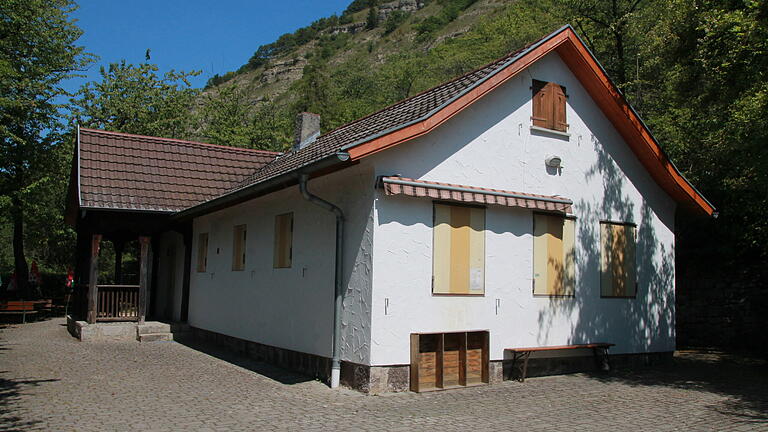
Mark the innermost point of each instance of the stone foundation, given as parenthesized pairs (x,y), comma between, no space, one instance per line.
(306,364)
(102,332)
(396,378)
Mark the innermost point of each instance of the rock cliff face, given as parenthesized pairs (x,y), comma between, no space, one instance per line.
(283,70)
(387,9)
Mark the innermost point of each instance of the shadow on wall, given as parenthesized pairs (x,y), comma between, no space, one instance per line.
(644,323)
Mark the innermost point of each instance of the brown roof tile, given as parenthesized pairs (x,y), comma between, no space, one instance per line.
(133,172)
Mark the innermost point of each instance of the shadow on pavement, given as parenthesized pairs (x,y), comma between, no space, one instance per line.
(741,379)
(272,372)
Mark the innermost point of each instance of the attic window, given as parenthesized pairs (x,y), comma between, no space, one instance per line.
(549,106)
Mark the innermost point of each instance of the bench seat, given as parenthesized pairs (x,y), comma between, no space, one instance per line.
(600,349)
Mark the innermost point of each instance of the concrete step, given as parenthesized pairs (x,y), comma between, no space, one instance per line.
(155,337)
(151,327)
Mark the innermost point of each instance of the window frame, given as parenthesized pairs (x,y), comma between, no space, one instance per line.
(276,259)
(570,217)
(239,245)
(600,259)
(485,223)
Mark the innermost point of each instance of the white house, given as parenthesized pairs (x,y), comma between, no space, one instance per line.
(524,204)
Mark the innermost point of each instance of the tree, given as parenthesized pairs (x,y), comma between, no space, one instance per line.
(225,118)
(134,99)
(37,52)
(373,16)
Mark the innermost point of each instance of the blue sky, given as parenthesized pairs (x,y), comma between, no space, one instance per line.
(207,35)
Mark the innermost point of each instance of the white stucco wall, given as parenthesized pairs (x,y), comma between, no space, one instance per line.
(170,277)
(490,144)
(290,308)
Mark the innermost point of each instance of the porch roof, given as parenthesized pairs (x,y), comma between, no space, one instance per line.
(118,171)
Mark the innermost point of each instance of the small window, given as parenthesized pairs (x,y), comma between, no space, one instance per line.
(617,260)
(202,252)
(458,264)
(283,240)
(238,247)
(553,255)
(549,106)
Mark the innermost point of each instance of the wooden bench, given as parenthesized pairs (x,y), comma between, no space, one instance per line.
(600,350)
(16,307)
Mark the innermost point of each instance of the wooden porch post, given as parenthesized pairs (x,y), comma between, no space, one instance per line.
(144,276)
(93,278)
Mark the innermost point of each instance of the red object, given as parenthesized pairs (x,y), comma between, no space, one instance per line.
(70,278)
(34,274)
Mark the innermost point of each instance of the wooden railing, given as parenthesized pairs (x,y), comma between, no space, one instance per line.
(117,303)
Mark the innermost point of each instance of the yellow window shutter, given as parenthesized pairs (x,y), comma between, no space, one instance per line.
(458,250)
(283,250)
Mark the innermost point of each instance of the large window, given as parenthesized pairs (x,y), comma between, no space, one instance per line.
(553,255)
(238,247)
(202,252)
(458,250)
(617,260)
(283,253)
(549,106)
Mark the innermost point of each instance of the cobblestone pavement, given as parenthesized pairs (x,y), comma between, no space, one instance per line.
(49,381)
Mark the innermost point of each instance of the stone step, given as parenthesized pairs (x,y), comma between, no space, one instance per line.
(160,327)
(155,337)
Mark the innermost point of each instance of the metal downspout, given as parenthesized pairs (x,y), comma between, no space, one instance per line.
(338,305)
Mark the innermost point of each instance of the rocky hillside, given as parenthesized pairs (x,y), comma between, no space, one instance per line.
(347,66)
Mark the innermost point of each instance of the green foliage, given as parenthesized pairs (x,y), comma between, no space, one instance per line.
(227,117)
(710,108)
(356,6)
(372,21)
(449,12)
(135,99)
(37,52)
(394,20)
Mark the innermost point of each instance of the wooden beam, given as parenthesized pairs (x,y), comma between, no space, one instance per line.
(93,278)
(144,275)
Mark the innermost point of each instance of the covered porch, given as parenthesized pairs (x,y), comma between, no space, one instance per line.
(106,291)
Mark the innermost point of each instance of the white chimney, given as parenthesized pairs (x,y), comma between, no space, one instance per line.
(307,129)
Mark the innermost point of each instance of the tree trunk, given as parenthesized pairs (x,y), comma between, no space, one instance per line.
(19,260)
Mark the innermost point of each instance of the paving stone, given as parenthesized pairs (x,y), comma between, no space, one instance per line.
(50,381)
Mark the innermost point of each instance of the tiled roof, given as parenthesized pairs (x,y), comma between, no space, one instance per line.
(472,194)
(388,119)
(133,172)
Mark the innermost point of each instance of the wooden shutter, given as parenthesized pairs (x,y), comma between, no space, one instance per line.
(283,251)
(541,105)
(549,106)
(202,252)
(239,247)
(553,255)
(458,250)
(617,260)
(558,108)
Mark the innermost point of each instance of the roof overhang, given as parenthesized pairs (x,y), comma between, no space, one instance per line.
(583,64)
(323,166)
